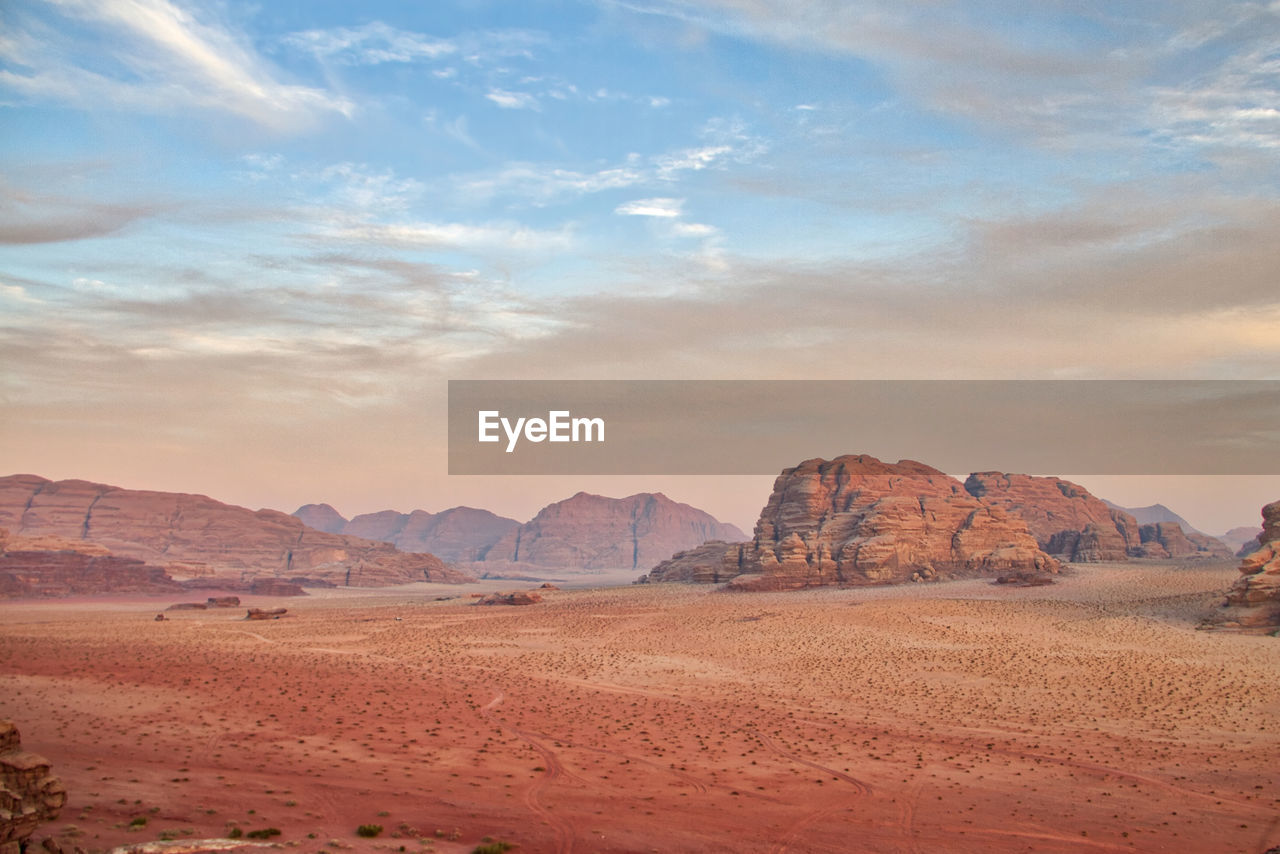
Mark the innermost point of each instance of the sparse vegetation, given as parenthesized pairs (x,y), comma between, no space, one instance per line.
(263,833)
(368,830)
(497,847)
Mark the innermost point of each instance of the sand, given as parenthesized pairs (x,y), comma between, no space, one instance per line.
(1086,716)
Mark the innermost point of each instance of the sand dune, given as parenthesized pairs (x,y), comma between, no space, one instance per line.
(1090,715)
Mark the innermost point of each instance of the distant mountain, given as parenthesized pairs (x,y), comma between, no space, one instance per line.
(592,532)
(458,535)
(1242,540)
(1153,514)
(322,517)
(194,536)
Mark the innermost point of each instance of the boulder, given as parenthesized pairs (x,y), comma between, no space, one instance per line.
(518,597)
(265,614)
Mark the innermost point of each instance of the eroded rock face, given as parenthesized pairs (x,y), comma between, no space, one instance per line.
(29,791)
(1254,600)
(709,563)
(517,597)
(589,532)
(69,573)
(1070,523)
(1065,518)
(196,536)
(856,520)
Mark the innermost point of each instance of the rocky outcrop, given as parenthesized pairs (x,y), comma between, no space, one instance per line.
(1067,521)
(709,563)
(858,521)
(518,597)
(265,613)
(1070,523)
(591,532)
(196,536)
(67,573)
(29,791)
(1254,600)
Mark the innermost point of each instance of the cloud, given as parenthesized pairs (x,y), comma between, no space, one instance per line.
(425,235)
(155,56)
(373,43)
(1186,75)
(651,207)
(512,100)
(28,217)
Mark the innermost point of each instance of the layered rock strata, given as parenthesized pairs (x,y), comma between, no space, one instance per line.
(196,536)
(1070,523)
(1254,600)
(858,521)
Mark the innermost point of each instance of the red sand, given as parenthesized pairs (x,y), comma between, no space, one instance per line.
(1088,716)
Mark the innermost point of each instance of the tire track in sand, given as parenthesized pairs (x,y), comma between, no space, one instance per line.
(554,770)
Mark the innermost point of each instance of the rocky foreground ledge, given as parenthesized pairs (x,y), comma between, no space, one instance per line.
(1254,600)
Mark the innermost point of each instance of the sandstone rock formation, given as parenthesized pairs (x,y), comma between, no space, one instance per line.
(29,791)
(71,573)
(592,532)
(1254,600)
(459,534)
(517,597)
(265,613)
(1070,523)
(196,536)
(710,563)
(858,521)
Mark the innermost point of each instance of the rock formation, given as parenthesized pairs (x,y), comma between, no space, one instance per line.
(71,573)
(858,521)
(29,791)
(518,597)
(1070,523)
(592,532)
(709,563)
(265,613)
(196,536)
(1254,600)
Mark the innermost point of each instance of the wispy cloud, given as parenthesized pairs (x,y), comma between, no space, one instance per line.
(512,100)
(163,58)
(373,43)
(651,207)
(28,217)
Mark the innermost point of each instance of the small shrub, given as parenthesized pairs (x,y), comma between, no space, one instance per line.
(140,821)
(498,847)
(235,833)
(369,830)
(264,833)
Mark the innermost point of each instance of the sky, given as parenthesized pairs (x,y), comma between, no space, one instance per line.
(243,246)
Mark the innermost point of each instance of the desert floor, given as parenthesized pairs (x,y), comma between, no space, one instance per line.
(1087,716)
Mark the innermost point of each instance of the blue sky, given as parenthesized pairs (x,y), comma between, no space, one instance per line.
(243,245)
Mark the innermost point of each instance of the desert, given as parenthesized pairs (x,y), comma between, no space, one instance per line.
(1089,715)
